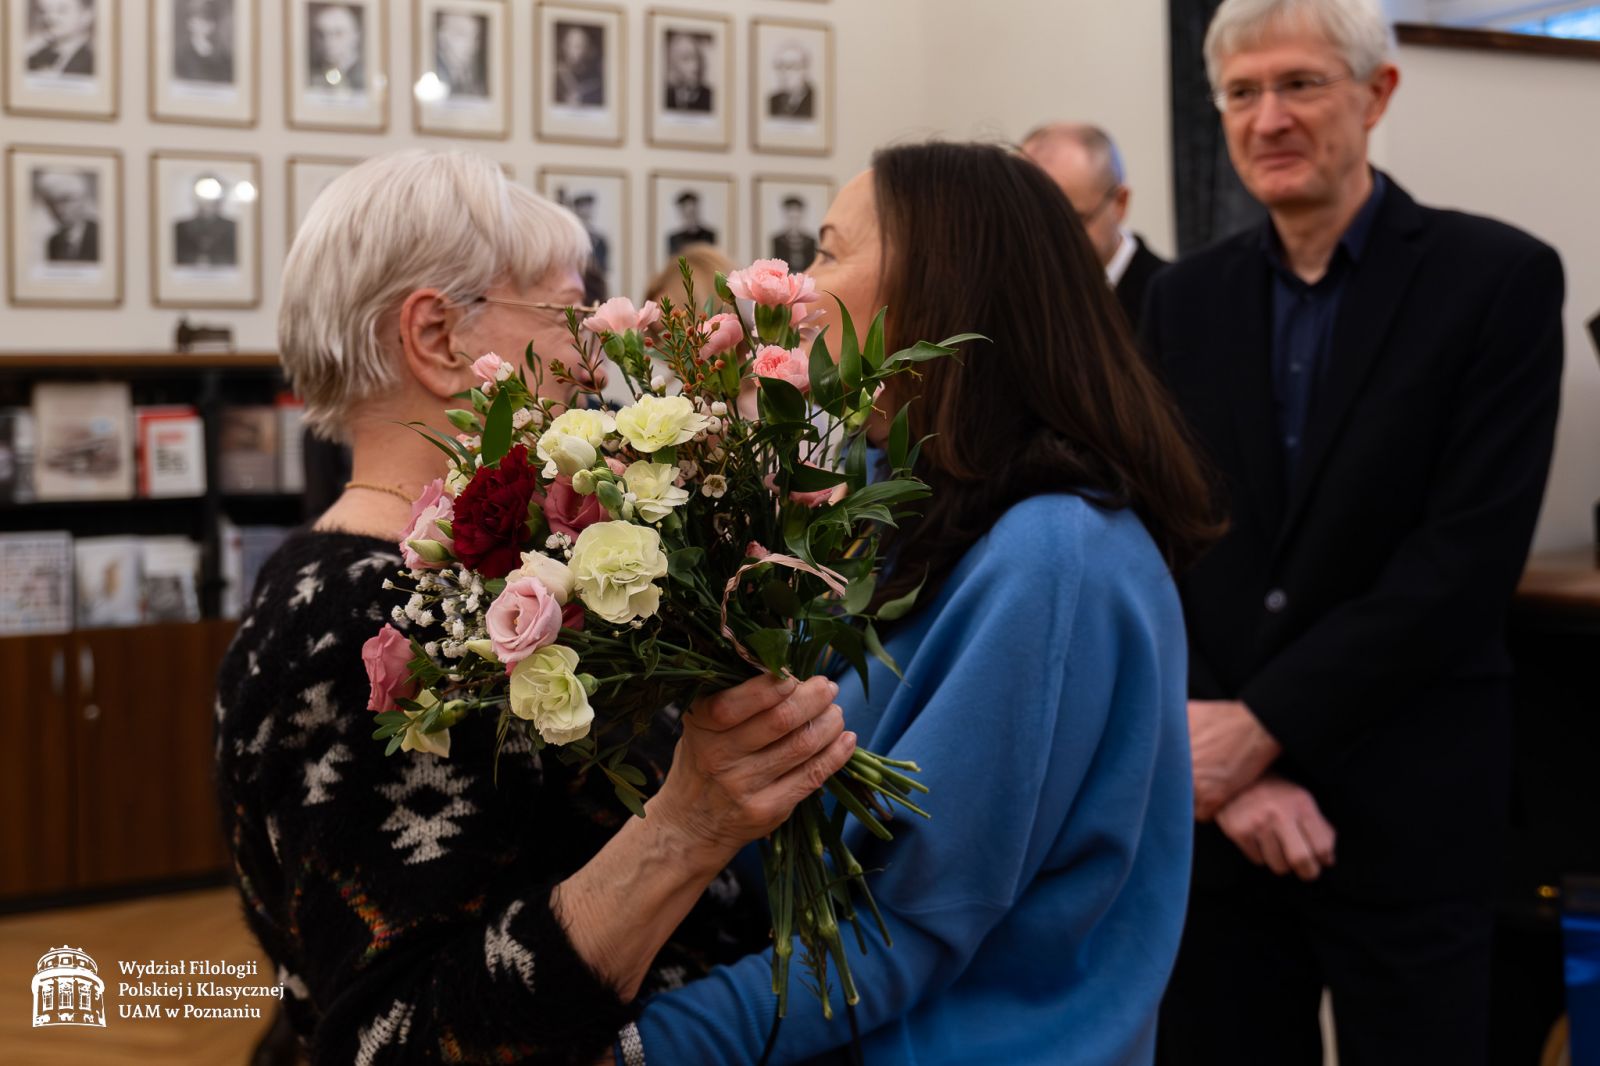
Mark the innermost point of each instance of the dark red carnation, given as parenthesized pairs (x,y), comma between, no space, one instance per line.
(491,515)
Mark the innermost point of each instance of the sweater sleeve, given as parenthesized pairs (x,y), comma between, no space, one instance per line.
(1006,700)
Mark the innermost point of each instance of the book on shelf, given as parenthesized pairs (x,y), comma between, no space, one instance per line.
(171,569)
(247,449)
(85,441)
(171,450)
(243,551)
(110,587)
(36,594)
(16,455)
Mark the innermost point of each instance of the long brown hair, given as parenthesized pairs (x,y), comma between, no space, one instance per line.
(1057,399)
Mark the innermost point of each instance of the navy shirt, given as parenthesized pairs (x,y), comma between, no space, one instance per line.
(1302,323)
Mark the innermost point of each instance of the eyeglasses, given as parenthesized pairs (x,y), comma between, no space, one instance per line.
(538,305)
(1293,91)
(1088,216)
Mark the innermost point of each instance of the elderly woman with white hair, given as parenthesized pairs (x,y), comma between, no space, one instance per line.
(418,909)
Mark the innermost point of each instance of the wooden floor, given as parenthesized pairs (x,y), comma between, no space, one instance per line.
(191,925)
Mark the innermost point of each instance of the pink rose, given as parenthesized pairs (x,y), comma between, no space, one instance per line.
(722,332)
(769,283)
(427,511)
(568,512)
(810,499)
(522,619)
(785,364)
(488,366)
(387,658)
(618,315)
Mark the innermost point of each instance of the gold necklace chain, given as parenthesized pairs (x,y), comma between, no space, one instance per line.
(393,490)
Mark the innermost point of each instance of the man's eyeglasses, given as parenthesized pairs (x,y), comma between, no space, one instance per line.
(1293,91)
(537,305)
(1088,216)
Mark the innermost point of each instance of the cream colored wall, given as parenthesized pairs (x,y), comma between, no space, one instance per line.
(871,39)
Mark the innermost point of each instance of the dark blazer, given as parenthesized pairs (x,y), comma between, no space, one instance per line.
(80,62)
(88,250)
(1135,282)
(695,98)
(1359,611)
(206,241)
(797,251)
(782,105)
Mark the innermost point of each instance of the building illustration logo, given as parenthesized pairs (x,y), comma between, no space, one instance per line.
(67,989)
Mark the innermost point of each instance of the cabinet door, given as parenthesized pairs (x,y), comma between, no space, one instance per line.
(38,774)
(144,710)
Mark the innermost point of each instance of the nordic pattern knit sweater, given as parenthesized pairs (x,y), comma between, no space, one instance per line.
(405,899)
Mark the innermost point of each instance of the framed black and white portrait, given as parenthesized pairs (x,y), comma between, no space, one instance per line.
(690,208)
(580,76)
(308,176)
(689,80)
(205,229)
(64,226)
(600,200)
(203,57)
(463,59)
(336,65)
(788,214)
(61,58)
(791,87)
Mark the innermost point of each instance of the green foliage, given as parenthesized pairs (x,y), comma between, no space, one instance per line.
(497,429)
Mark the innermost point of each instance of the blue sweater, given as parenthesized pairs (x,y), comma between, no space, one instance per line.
(1036,917)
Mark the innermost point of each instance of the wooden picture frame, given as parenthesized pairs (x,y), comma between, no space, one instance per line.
(608,219)
(465,89)
(716,202)
(336,65)
(198,261)
(577,102)
(78,76)
(771,236)
(65,227)
(305,176)
(689,100)
(791,87)
(205,79)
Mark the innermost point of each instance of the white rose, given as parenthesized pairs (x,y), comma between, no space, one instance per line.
(553,574)
(546,691)
(614,569)
(572,441)
(654,494)
(657,422)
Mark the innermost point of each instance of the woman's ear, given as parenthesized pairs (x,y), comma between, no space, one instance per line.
(427,323)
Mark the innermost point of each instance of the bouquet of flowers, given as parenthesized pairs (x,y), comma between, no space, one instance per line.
(583,569)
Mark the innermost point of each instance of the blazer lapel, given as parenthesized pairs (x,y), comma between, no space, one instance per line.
(1374,294)
(1246,318)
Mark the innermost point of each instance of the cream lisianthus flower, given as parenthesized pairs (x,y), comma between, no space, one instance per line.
(654,494)
(553,574)
(657,422)
(546,690)
(414,739)
(572,441)
(614,568)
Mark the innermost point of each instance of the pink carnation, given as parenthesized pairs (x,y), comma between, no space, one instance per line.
(810,499)
(722,332)
(754,550)
(769,283)
(569,512)
(488,367)
(427,511)
(618,315)
(522,619)
(785,364)
(387,658)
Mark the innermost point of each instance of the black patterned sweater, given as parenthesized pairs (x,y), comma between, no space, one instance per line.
(405,899)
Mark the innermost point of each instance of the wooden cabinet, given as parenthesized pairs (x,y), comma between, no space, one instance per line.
(110,755)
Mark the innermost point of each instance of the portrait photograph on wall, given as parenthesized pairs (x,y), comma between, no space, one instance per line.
(64,227)
(308,176)
(791,87)
(688,80)
(203,56)
(690,208)
(463,63)
(336,65)
(61,58)
(788,214)
(600,200)
(580,76)
(205,226)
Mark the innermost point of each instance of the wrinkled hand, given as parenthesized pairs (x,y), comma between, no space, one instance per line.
(1276,823)
(747,756)
(1230,749)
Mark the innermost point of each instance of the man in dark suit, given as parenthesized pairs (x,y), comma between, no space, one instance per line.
(686,88)
(796,97)
(67,39)
(690,229)
(207,239)
(461,61)
(69,197)
(599,248)
(337,44)
(1084,161)
(793,244)
(202,51)
(1375,383)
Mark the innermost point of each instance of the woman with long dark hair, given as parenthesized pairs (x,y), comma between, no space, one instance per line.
(1036,916)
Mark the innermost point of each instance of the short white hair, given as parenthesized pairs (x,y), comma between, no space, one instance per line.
(1356,28)
(449,220)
